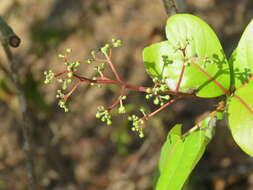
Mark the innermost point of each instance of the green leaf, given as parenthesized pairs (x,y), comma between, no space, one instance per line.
(241,104)
(242,57)
(180,156)
(240,116)
(202,47)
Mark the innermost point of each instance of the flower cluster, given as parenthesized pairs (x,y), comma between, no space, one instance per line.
(71,65)
(103,115)
(49,76)
(62,102)
(103,58)
(115,43)
(137,124)
(158,92)
(100,68)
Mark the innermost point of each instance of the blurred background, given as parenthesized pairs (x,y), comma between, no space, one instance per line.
(74,151)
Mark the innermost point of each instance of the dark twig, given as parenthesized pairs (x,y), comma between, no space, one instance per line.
(170,7)
(7,34)
(9,38)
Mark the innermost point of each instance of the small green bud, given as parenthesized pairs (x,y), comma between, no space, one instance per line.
(98,115)
(149,90)
(60,80)
(141,135)
(163,88)
(167,97)
(77,63)
(69,67)
(70,74)
(64,85)
(155,80)
(93,54)
(109,122)
(156,101)
(61,56)
(90,61)
(116,43)
(142,110)
(122,110)
(68,50)
(105,49)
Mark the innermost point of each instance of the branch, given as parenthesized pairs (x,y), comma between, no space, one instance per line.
(9,38)
(220,108)
(145,118)
(7,35)
(170,7)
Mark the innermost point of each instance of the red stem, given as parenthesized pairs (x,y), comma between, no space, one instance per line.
(227,92)
(112,66)
(100,60)
(180,78)
(61,73)
(145,118)
(105,80)
(122,92)
(108,81)
(71,91)
(243,103)
(245,83)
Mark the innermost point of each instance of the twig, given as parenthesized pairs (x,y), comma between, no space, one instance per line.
(122,93)
(220,108)
(170,7)
(145,118)
(109,60)
(7,34)
(9,38)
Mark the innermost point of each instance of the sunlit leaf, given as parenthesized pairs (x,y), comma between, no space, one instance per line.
(180,155)
(240,115)
(202,47)
(242,58)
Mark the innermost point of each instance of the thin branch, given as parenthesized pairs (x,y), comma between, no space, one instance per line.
(109,60)
(7,34)
(9,38)
(145,118)
(245,83)
(122,93)
(72,90)
(220,108)
(108,81)
(180,78)
(170,7)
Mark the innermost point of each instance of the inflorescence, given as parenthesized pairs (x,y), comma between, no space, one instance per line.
(157,93)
